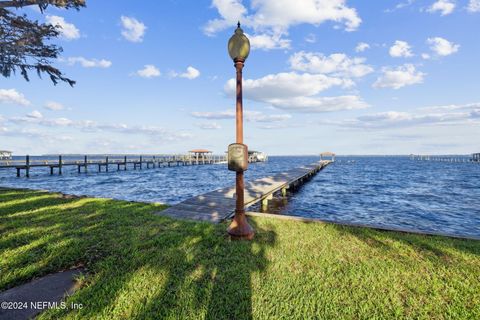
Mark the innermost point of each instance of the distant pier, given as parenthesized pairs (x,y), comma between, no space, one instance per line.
(475,158)
(95,163)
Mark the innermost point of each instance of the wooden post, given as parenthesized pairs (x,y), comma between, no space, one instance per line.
(140,162)
(27,169)
(125,169)
(60,165)
(264,204)
(18,172)
(86,165)
(106,164)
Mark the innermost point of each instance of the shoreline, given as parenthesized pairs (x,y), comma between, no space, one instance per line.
(273,216)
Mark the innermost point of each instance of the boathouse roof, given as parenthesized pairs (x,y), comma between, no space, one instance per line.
(327,153)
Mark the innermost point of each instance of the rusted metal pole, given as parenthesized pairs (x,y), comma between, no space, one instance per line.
(239,104)
(239,228)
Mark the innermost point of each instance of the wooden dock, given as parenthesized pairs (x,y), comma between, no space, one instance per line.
(447,158)
(216,206)
(99,164)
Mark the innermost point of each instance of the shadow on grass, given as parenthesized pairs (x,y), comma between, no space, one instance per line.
(429,246)
(140,265)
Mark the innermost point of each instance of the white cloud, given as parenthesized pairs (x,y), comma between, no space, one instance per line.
(54,106)
(286,13)
(35,114)
(442,47)
(257,116)
(401,5)
(285,85)
(12,96)
(337,64)
(32,133)
(268,41)
(452,107)
(297,92)
(401,119)
(250,116)
(68,30)
(275,17)
(209,126)
(57,122)
(429,116)
(190,74)
(148,71)
(219,115)
(445,7)
(362,46)
(425,56)
(39,120)
(320,104)
(133,30)
(401,49)
(92,126)
(280,126)
(399,77)
(230,12)
(89,63)
(474,6)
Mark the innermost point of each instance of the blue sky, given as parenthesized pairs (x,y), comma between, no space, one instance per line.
(353,77)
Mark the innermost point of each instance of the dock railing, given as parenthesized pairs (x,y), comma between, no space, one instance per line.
(56,164)
(444,158)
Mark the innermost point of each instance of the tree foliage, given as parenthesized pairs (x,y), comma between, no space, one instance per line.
(25,44)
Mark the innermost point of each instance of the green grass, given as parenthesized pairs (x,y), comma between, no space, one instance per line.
(143,266)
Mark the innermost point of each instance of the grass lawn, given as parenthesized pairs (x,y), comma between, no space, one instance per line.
(144,266)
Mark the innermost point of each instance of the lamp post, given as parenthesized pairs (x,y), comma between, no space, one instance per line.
(238,49)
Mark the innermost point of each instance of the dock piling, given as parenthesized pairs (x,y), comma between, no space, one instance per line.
(27,166)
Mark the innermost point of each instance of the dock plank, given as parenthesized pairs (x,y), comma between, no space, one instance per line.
(216,206)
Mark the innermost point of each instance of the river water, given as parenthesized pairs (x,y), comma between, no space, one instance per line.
(380,191)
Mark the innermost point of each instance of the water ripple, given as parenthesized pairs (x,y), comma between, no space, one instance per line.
(383,191)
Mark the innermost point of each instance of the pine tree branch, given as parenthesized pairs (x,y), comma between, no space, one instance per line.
(77,4)
(25,46)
